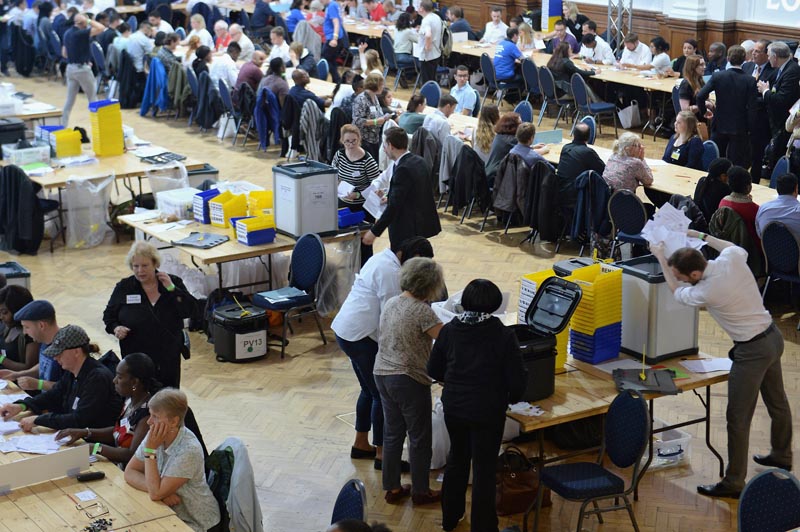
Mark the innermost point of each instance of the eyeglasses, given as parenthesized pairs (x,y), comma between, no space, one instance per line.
(351,141)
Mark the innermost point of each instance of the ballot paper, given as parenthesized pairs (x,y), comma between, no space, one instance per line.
(345,189)
(7,427)
(3,384)
(669,226)
(35,443)
(86,496)
(149,151)
(526,409)
(9,398)
(707,365)
(372,202)
(144,215)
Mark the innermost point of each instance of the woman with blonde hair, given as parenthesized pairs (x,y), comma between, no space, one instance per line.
(574,19)
(685,147)
(198,24)
(525,41)
(484,135)
(369,60)
(146,311)
(192,44)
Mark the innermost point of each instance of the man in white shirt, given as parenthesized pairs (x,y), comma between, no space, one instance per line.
(430,46)
(495,29)
(594,50)
(635,53)
(280,48)
(436,123)
(728,290)
(159,24)
(140,44)
(237,35)
(224,66)
(464,94)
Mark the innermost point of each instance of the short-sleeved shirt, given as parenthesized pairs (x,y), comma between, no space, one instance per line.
(661,63)
(77,44)
(432,25)
(184,459)
(49,369)
(332,13)
(139,45)
(405,347)
(505,56)
(466,97)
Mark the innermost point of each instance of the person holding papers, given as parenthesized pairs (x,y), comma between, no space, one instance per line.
(728,290)
(84,397)
(635,53)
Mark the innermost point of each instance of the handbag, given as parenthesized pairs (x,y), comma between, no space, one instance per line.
(516,483)
(629,117)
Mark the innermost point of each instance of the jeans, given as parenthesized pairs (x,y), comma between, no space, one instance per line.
(406,409)
(369,410)
(406,61)
(331,54)
(479,443)
(78,77)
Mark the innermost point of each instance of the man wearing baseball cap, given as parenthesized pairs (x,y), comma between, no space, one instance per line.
(83,398)
(38,320)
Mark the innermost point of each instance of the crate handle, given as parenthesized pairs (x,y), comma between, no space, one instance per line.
(668,455)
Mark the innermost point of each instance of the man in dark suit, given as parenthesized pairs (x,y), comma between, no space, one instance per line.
(716,58)
(734,109)
(576,157)
(780,95)
(410,209)
(760,69)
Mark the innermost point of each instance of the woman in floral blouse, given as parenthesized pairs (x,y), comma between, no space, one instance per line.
(626,168)
(368,116)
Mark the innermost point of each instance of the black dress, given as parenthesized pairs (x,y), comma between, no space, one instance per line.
(156,330)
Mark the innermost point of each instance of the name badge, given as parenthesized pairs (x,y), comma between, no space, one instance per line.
(676,155)
(375,109)
(773,90)
(133,299)
(75,403)
(126,424)
(356,173)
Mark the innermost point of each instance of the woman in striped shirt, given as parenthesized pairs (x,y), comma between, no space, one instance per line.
(358,168)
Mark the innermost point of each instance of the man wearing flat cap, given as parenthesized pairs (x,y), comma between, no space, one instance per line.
(38,320)
(83,398)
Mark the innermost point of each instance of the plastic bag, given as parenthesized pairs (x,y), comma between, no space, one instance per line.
(441,438)
(629,117)
(167,177)
(227,127)
(342,260)
(87,211)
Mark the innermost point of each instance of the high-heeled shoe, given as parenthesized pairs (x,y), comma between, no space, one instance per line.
(358,454)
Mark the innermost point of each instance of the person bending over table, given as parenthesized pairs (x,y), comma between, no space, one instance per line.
(479,361)
(729,291)
(685,147)
(407,326)
(135,382)
(38,320)
(169,466)
(20,352)
(84,397)
(146,312)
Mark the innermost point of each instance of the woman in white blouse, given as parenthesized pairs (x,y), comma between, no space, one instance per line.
(198,24)
(661,63)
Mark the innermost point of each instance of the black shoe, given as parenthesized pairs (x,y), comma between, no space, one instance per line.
(449,528)
(358,454)
(718,490)
(767,461)
(405,467)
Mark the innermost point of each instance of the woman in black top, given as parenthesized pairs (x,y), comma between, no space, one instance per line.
(479,361)
(689,48)
(712,188)
(574,19)
(19,351)
(201,60)
(563,68)
(146,313)
(504,140)
(692,82)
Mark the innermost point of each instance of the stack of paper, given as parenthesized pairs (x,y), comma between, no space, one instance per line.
(526,409)
(282,294)
(7,427)
(34,443)
(669,226)
(707,365)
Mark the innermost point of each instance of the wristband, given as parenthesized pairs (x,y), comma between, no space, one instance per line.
(40,387)
(702,236)
(96,448)
(171,288)
(24,407)
(148,450)
(2,357)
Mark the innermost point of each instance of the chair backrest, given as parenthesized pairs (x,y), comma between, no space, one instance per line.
(487,67)
(525,111)
(225,96)
(432,93)
(531,76)
(579,91)
(181,32)
(351,503)
(627,212)
(54,41)
(387,49)
(781,167)
(710,152)
(165,10)
(203,9)
(322,69)
(590,121)
(193,83)
(770,502)
(133,23)
(97,56)
(547,83)
(244,20)
(676,100)
(307,263)
(780,249)
(627,429)
(477,110)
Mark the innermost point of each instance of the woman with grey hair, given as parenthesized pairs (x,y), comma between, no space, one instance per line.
(146,313)
(407,327)
(626,168)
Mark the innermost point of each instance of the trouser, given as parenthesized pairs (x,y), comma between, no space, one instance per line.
(79,76)
(428,70)
(736,148)
(759,138)
(406,409)
(756,368)
(369,410)
(406,61)
(778,142)
(331,54)
(373,148)
(479,443)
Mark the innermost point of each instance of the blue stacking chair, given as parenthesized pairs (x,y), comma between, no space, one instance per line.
(590,121)
(628,217)
(432,92)
(165,10)
(781,167)
(194,85)
(100,63)
(322,69)
(782,254)
(710,152)
(583,105)
(525,111)
(490,78)
(133,23)
(548,87)
(244,20)
(625,438)
(387,49)
(181,32)
(477,111)
(531,76)
(676,100)
(230,110)
(205,11)
(351,503)
(770,502)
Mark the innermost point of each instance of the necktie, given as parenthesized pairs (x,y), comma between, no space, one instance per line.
(756,71)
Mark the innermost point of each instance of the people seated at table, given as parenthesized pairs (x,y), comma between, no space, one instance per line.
(391,11)
(222,38)
(135,382)
(202,58)
(635,53)
(436,123)
(495,30)
(83,397)
(146,311)
(274,80)
(407,328)
(690,48)
(303,58)
(507,60)
(368,116)
(785,208)
(478,361)
(596,51)
(19,351)
(370,60)
(225,68)
(626,169)
(296,15)
(483,135)
(352,85)
(158,23)
(355,10)
(685,148)
(375,10)
(576,157)
(166,54)
(741,201)
(463,92)
(526,150)
(525,42)
(563,68)
(505,138)
(712,188)
(251,72)
(111,32)
(404,38)
(388,104)
(38,320)
(140,44)
(169,463)
(458,24)
(262,19)
(660,63)
(238,36)
(198,24)
(414,116)
(562,35)
(690,85)
(716,58)
(280,48)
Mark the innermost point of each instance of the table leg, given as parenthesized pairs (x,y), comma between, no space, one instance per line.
(707,404)
(649,452)
(63,227)
(219,271)
(660,119)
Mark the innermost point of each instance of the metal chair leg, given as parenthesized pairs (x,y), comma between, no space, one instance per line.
(485,217)
(598,514)
(508,222)
(766,286)
(630,513)
(541,113)
(283,334)
(468,209)
(319,326)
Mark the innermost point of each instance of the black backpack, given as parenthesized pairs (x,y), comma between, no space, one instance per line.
(220,472)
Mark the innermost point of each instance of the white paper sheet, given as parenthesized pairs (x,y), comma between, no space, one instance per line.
(344,189)
(142,216)
(669,226)
(149,151)
(526,409)
(707,365)
(7,427)
(86,496)
(161,228)
(3,384)
(8,398)
(372,202)
(35,443)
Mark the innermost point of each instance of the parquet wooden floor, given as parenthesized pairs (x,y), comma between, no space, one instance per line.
(286,411)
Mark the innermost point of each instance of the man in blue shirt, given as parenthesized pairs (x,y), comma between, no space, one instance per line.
(38,320)
(507,59)
(458,24)
(79,61)
(465,95)
(334,31)
(785,208)
(300,93)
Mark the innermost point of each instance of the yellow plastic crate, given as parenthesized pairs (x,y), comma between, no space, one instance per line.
(259,201)
(601,303)
(106,120)
(67,142)
(226,206)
